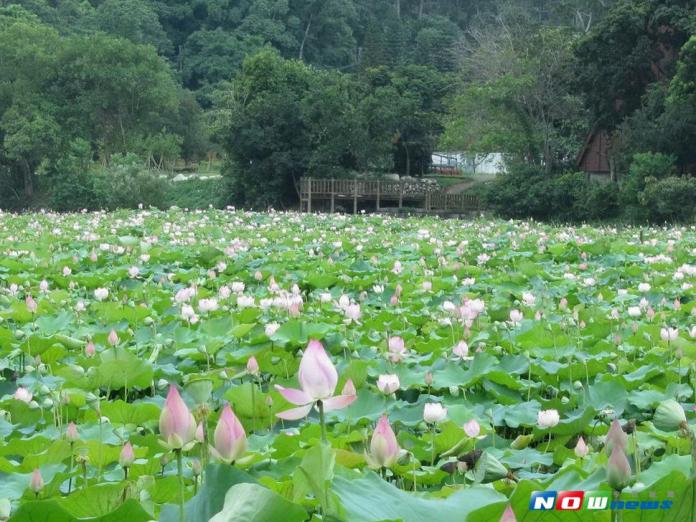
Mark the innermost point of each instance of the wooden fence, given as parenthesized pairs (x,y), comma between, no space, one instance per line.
(383,191)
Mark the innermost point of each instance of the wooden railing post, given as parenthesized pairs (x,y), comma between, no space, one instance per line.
(309,195)
(401,193)
(379,186)
(355,196)
(333,195)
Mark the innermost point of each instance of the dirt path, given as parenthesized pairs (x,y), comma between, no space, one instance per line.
(458,188)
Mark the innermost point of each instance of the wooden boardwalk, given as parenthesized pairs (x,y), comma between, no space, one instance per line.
(385,194)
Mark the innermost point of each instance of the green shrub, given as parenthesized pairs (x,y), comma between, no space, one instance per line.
(124,184)
(669,199)
(195,193)
(571,197)
(643,166)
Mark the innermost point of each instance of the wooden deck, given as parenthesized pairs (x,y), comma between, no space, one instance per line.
(384,193)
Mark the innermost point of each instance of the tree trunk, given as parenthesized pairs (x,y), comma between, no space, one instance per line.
(304,38)
(397,6)
(420,9)
(28,179)
(408,160)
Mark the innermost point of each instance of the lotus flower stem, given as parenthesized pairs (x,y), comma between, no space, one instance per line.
(432,443)
(180,472)
(322,421)
(70,469)
(636,452)
(253,404)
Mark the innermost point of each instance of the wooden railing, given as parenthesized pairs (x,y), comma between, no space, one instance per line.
(432,199)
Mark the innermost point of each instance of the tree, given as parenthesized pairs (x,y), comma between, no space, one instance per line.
(516,96)
(134,20)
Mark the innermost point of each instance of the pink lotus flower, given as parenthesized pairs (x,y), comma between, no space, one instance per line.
(353,313)
(22,394)
(318,379)
(472,428)
(669,334)
(397,349)
(71,433)
(384,448)
(176,424)
(31,304)
(90,349)
(388,384)
(461,350)
(230,439)
(112,338)
(434,412)
(127,456)
(252,366)
(548,418)
(37,482)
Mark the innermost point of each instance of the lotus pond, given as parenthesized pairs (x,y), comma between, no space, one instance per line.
(242,366)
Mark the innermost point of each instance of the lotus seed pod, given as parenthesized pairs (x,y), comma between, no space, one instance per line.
(162,384)
(669,416)
(47,403)
(44,390)
(578,385)
(454,391)
(611,367)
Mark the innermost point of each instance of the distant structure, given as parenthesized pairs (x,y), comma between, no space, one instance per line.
(452,163)
(593,158)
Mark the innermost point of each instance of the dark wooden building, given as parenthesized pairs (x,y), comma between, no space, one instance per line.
(594,156)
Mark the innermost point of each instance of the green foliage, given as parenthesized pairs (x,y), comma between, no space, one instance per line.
(670,199)
(571,197)
(195,193)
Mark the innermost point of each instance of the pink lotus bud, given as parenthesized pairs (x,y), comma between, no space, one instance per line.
(581,449)
(176,424)
(472,428)
(196,467)
(37,482)
(252,366)
(394,300)
(516,316)
(616,437)
(388,384)
(563,304)
(126,457)
(677,304)
(428,378)
(258,275)
(349,388)
(618,469)
(317,374)
(508,515)
(66,271)
(200,433)
(90,349)
(384,448)
(230,439)
(434,412)
(71,433)
(113,338)
(31,304)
